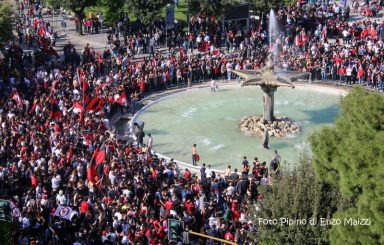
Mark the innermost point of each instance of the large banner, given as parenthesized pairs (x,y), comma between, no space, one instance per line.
(170,16)
(237,12)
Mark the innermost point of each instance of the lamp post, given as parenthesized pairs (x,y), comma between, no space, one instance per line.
(64,20)
(188,16)
(101,23)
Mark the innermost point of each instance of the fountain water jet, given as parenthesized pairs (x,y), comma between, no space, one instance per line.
(273,30)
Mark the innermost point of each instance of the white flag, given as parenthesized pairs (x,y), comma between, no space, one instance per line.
(64,212)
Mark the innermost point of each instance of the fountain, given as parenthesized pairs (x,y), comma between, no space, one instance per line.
(273,30)
(209,120)
(269,81)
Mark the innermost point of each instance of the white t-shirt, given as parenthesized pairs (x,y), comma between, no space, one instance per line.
(55,182)
(61,199)
(229,66)
(213,83)
(208,173)
(349,71)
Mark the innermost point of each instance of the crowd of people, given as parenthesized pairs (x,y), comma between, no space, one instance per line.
(71,180)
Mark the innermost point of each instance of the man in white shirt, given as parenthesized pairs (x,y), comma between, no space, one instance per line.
(346,36)
(55,182)
(60,198)
(208,173)
(213,86)
(348,73)
(228,171)
(229,68)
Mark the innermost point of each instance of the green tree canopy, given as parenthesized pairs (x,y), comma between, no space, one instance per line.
(211,7)
(351,156)
(297,195)
(6,21)
(78,6)
(112,9)
(264,5)
(56,4)
(147,11)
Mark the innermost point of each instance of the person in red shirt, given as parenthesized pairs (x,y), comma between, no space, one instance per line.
(228,236)
(342,73)
(187,175)
(189,206)
(361,75)
(83,207)
(169,204)
(34,180)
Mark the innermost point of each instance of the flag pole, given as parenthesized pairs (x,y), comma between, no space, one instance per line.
(83,99)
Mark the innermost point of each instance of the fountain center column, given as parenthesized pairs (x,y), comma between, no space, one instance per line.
(268,102)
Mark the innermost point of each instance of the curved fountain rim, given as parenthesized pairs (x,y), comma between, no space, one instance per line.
(342,91)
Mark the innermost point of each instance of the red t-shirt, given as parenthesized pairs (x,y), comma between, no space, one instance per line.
(83,207)
(190,207)
(168,205)
(228,236)
(34,181)
(187,175)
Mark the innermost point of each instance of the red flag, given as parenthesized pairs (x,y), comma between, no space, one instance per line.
(41,31)
(77,107)
(33,107)
(85,86)
(91,173)
(93,103)
(99,105)
(86,140)
(98,88)
(122,100)
(70,154)
(99,156)
(54,85)
(16,97)
(55,110)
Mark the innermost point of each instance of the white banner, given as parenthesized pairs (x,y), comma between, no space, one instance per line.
(64,212)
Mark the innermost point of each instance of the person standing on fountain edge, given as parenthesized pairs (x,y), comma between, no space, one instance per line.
(213,85)
(195,156)
(150,144)
(265,139)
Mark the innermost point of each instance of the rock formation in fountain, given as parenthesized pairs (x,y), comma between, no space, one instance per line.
(269,82)
(280,127)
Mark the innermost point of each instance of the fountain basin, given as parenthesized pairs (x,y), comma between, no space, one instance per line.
(210,120)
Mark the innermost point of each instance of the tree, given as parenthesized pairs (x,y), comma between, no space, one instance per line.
(56,4)
(296,196)
(350,154)
(211,7)
(264,6)
(147,11)
(6,21)
(112,9)
(78,6)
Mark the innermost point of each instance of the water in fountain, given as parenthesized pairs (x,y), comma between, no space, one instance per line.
(273,31)
(211,121)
